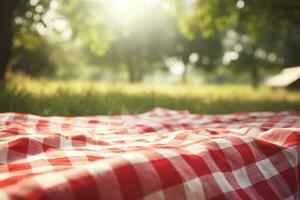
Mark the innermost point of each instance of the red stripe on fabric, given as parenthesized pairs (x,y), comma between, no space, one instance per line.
(14,179)
(246,153)
(267,148)
(212,132)
(291,179)
(47,148)
(78,140)
(197,164)
(18,167)
(243,195)
(14,131)
(220,159)
(185,125)
(146,128)
(93,121)
(14,156)
(42,123)
(292,139)
(19,145)
(94,158)
(128,181)
(84,187)
(265,190)
(168,127)
(37,195)
(63,161)
(52,141)
(167,173)
(219,197)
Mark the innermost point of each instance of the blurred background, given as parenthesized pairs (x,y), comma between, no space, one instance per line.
(97,46)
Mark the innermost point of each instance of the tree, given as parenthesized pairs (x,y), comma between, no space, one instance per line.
(6,34)
(88,23)
(18,18)
(197,51)
(128,33)
(253,19)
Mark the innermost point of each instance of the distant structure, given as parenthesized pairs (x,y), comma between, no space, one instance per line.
(287,78)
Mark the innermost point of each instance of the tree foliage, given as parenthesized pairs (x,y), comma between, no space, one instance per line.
(269,26)
(137,36)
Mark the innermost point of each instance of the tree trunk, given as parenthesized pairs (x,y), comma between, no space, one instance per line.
(254,76)
(184,76)
(131,71)
(6,17)
(140,72)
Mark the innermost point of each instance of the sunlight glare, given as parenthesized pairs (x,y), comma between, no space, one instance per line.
(123,11)
(230,56)
(150,3)
(240,4)
(126,12)
(176,66)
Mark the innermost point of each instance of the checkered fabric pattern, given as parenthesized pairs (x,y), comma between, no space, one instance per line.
(161,154)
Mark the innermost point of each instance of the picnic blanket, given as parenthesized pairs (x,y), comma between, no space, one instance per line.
(161,154)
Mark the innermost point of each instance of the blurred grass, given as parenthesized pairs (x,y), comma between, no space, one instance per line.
(52,97)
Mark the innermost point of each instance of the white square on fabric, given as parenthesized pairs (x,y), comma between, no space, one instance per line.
(195,148)
(5,175)
(40,156)
(65,143)
(155,196)
(292,156)
(42,169)
(3,155)
(98,167)
(32,119)
(167,153)
(3,195)
(223,143)
(193,189)
(74,153)
(242,178)
(134,157)
(267,168)
(222,182)
(50,180)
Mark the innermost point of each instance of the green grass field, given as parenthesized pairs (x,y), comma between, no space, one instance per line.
(46,97)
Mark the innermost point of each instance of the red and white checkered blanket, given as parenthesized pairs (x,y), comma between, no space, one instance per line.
(161,154)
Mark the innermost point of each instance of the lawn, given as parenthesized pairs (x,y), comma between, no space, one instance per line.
(52,97)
